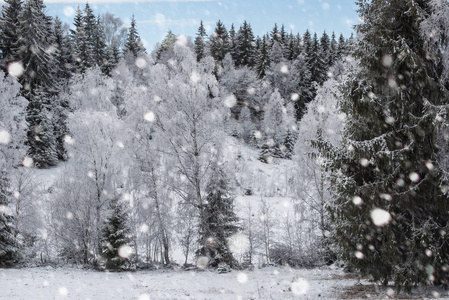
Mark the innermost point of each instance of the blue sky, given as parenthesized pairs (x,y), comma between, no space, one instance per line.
(155,17)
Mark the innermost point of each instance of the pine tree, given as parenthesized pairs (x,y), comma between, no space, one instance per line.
(219,42)
(342,47)
(263,58)
(9,245)
(219,221)
(244,48)
(115,237)
(41,138)
(325,50)
(303,91)
(36,39)
(233,43)
(166,44)
(82,51)
(99,46)
(390,212)
(307,41)
(133,43)
(275,35)
(64,55)
(316,63)
(200,42)
(289,144)
(333,50)
(9,32)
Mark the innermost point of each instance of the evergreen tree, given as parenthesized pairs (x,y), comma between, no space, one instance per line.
(9,32)
(219,221)
(82,51)
(115,237)
(41,137)
(263,58)
(200,42)
(325,50)
(390,212)
(64,55)
(276,55)
(100,53)
(36,39)
(303,89)
(219,42)
(342,47)
(289,144)
(166,44)
(275,35)
(133,43)
(233,43)
(307,41)
(244,48)
(316,63)
(333,50)
(9,245)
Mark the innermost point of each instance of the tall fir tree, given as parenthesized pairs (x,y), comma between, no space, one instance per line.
(219,221)
(233,42)
(316,63)
(9,245)
(116,237)
(133,43)
(263,58)
(244,48)
(9,32)
(219,42)
(82,50)
(391,201)
(200,42)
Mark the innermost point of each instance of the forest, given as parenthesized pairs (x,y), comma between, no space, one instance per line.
(228,150)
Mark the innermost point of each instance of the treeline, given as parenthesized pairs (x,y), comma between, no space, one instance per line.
(94,96)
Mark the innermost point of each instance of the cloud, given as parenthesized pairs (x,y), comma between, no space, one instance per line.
(120,1)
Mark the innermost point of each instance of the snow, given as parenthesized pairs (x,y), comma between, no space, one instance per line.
(266,283)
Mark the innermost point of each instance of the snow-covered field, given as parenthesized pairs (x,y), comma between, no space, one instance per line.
(267,283)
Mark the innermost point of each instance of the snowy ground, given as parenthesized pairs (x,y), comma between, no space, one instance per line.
(266,283)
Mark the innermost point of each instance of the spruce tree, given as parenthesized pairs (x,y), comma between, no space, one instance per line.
(263,58)
(391,201)
(200,42)
(133,43)
(42,142)
(64,55)
(82,50)
(244,48)
(325,50)
(115,237)
(219,221)
(316,62)
(9,32)
(9,245)
(36,39)
(233,43)
(219,42)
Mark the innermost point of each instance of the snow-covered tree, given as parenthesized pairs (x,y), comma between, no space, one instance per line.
(218,221)
(390,200)
(115,237)
(9,32)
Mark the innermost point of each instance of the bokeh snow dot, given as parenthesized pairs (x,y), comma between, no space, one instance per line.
(230,101)
(63,291)
(242,277)
(16,69)
(149,116)
(141,63)
(414,177)
(69,11)
(5,137)
(238,244)
(380,217)
(125,251)
(202,262)
(144,297)
(357,200)
(27,162)
(300,287)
